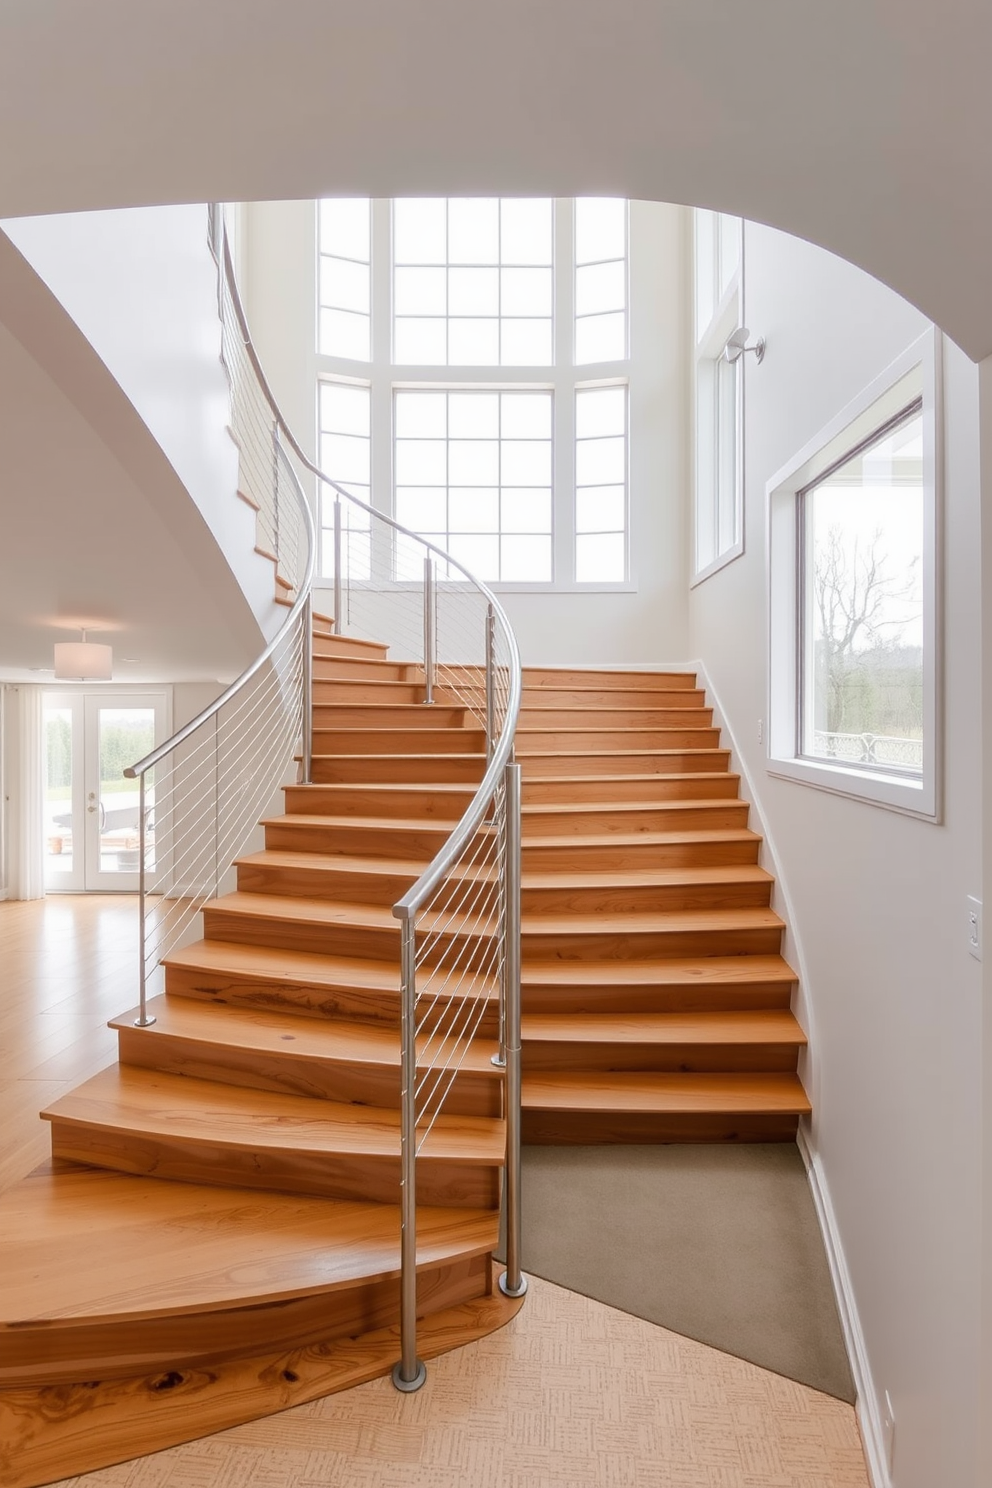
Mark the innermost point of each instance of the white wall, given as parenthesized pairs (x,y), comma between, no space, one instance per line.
(141,285)
(878,898)
(643,623)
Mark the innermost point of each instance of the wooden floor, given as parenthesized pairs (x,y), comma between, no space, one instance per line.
(571,1392)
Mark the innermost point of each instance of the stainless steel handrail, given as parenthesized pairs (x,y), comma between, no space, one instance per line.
(500,782)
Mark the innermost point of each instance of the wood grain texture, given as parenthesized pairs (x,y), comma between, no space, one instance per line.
(58,1429)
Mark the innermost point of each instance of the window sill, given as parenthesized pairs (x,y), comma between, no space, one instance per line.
(911,797)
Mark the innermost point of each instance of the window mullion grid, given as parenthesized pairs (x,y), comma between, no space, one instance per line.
(563,413)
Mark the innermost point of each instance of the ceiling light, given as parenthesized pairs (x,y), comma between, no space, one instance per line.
(83,661)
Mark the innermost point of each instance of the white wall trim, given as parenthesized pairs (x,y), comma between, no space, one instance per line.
(869,1419)
(866,1405)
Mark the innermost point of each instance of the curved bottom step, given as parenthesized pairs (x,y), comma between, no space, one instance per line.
(62,1430)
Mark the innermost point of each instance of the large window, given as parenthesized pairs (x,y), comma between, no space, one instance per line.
(490,410)
(718,393)
(853,596)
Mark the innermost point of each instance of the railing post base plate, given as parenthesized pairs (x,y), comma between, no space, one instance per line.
(509,1291)
(409,1386)
(143,1022)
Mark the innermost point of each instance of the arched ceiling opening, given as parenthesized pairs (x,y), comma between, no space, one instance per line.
(861,125)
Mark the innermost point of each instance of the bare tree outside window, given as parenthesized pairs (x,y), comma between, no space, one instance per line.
(864,668)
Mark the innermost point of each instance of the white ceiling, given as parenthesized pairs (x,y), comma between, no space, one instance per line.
(95,526)
(864,127)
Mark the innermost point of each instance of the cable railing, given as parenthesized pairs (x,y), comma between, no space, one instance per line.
(204,791)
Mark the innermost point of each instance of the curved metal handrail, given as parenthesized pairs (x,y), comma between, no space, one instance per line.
(417,895)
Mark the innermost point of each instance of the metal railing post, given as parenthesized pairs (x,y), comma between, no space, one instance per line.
(512,1283)
(275,489)
(490,681)
(306,771)
(142,1020)
(430,639)
(409,1374)
(338,614)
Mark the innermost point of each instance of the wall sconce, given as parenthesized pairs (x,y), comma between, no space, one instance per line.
(737,345)
(83,661)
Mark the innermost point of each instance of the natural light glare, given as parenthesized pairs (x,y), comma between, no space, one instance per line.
(473,282)
(864,560)
(600,485)
(344,324)
(474,467)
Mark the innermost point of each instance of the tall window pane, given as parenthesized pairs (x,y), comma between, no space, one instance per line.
(601,485)
(344,322)
(473,282)
(600,279)
(344,414)
(474,474)
(863,611)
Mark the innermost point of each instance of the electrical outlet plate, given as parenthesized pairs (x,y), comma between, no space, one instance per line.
(974,927)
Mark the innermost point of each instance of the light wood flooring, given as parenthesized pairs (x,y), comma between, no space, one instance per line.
(570,1392)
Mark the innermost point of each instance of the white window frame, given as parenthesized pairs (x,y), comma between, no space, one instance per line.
(561,379)
(708,345)
(917,372)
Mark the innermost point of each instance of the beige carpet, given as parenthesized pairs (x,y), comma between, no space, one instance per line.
(720,1244)
(571,1394)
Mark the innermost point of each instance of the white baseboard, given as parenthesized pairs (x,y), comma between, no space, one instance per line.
(866,1404)
(869,1419)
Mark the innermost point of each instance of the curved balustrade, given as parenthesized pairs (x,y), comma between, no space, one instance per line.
(204,790)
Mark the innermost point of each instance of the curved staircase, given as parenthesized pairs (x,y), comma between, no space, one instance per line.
(139,1312)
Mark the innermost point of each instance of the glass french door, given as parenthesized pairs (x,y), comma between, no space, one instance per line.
(91,809)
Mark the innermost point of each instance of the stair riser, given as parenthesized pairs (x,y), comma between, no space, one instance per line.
(539,823)
(447,769)
(650,944)
(333,693)
(644,899)
(555,737)
(657,788)
(581,677)
(360,841)
(398,715)
(581,1056)
(326,883)
(590,1129)
(323,940)
(607,717)
(87,1351)
(331,1175)
(685,702)
(539,767)
(620,997)
(471,1094)
(332,646)
(301,999)
(344,800)
(605,856)
(399,741)
(363,669)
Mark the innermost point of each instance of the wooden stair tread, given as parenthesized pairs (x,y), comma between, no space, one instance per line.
(287,966)
(404,824)
(311,1038)
(145,1102)
(271,857)
(326,912)
(735,873)
(731,970)
(639,839)
(728,1093)
(592,808)
(632,921)
(182,1248)
(750,1026)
